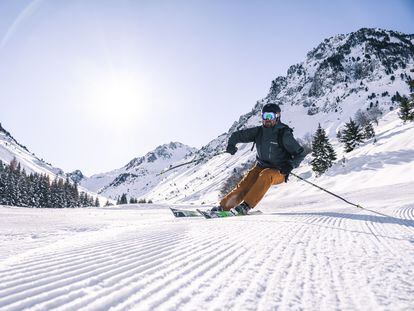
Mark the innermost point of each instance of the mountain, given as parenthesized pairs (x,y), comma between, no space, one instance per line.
(365,70)
(10,148)
(139,175)
(76,176)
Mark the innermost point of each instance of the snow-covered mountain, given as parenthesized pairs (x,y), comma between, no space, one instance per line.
(363,70)
(141,174)
(77,176)
(10,148)
(344,73)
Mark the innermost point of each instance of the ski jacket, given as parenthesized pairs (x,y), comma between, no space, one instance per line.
(276,147)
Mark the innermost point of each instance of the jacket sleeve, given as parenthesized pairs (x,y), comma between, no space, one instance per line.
(243,136)
(292,146)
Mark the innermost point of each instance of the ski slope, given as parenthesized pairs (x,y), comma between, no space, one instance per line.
(313,252)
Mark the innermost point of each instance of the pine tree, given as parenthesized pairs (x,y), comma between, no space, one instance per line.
(45,198)
(3,181)
(407,109)
(124,199)
(12,184)
(35,190)
(13,164)
(91,202)
(322,152)
(369,131)
(352,136)
(97,204)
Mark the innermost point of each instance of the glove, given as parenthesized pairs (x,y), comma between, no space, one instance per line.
(231,149)
(285,169)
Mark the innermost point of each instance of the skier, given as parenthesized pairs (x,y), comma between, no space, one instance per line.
(277,154)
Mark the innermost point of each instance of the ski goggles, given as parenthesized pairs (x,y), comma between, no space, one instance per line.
(269,116)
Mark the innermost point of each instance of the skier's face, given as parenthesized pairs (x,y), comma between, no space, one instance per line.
(270,119)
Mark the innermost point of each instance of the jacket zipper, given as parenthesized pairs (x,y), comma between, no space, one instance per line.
(270,151)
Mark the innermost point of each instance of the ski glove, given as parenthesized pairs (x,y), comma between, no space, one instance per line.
(231,149)
(285,169)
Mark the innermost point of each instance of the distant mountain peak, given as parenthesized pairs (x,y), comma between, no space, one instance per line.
(163,152)
(77,176)
(140,174)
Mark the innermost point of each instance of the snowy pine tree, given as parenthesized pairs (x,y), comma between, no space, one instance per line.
(322,152)
(123,199)
(407,108)
(369,131)
(35,190)
(352,136)
(364,120)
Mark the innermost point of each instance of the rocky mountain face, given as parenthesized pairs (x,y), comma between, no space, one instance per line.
(141,174)
(76,176)
(365,56)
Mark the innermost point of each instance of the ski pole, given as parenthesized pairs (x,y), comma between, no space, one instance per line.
(339,197)
(331,193)
(189,162)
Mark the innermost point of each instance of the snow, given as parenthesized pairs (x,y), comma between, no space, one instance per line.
(312,252)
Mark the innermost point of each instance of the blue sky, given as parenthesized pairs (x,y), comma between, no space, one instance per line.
(91,84)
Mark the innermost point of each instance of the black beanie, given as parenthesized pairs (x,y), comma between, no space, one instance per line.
(271,108)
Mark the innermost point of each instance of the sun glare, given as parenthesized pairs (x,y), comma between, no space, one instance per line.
(118,99)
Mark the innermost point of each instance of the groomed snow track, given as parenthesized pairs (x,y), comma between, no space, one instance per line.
(289,259)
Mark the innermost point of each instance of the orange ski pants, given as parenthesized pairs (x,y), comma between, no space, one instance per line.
(252,187)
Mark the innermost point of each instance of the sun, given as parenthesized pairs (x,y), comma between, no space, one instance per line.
(117,98)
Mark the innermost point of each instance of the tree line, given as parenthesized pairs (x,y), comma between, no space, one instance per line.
(17,188)
(123,199)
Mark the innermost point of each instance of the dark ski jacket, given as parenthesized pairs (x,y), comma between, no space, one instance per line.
(270,153)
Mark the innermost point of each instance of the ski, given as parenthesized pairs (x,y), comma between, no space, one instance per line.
(184,213)
(223,214)
(180,213)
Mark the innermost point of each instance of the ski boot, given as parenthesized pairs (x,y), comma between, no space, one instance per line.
(241,209)
(217,208)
